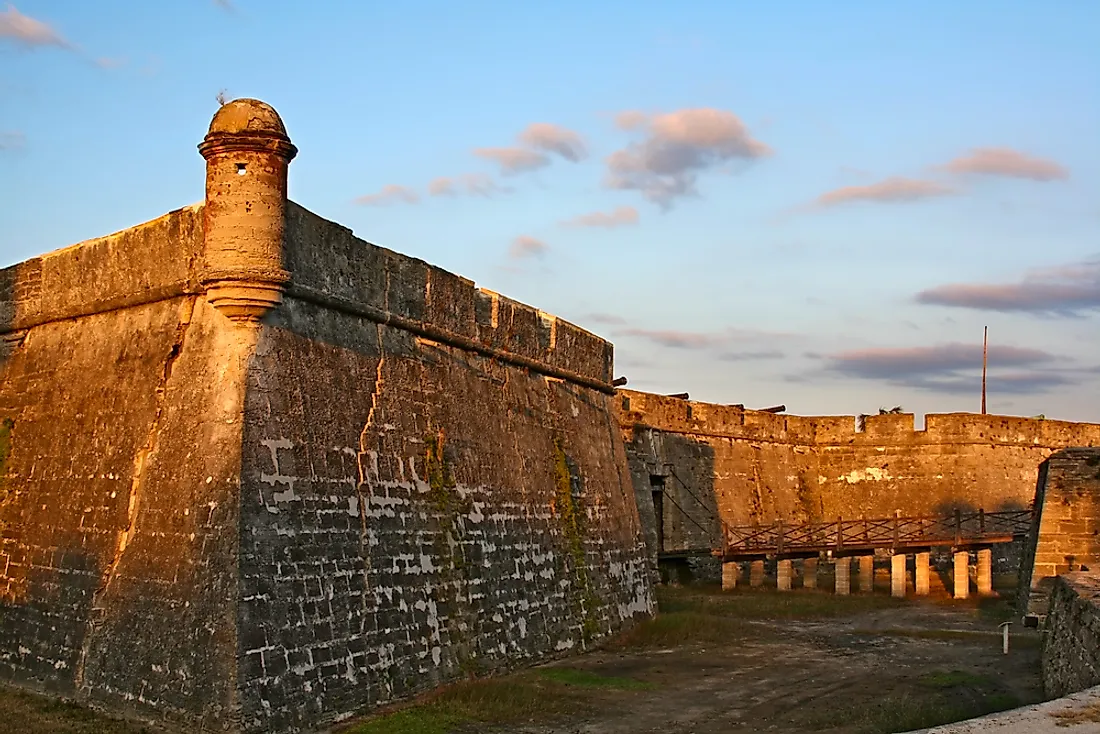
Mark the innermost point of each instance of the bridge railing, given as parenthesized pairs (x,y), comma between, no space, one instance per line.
(958,530)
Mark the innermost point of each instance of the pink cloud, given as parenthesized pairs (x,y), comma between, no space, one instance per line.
(894,190)
(389,194)
(513,160)
(1067,290)
(556,139)
(677,147)
(27,31)
(473,184)
(525,246)
(1008,163)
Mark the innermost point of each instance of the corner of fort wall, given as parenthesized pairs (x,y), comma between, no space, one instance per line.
(432,479)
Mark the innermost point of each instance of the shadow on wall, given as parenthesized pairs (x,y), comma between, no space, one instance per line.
(39,647)
(673,478)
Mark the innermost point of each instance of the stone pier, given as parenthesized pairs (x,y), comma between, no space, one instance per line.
(843,569)
(962,574)
(921,577)
(897,575)
(783,574)
(756,574)
(809,573)
(867,574)
(731,572)
(985,572)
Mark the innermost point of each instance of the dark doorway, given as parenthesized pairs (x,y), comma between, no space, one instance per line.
(657,486)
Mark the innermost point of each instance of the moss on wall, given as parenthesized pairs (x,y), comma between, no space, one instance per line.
(571,517)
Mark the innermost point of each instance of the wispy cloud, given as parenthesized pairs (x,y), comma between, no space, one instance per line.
(727,339)
(604,318)
(676,339)
(525,247)
(665,165)
(389,194)
(555,139)
(536,142)
(513,160)
(1064,291)
(631,120)
(226,5)
(890,190)
(1008,163)
(619,217)
(953,368)
(12,140)
(472,184)
(751,356)
(28,32)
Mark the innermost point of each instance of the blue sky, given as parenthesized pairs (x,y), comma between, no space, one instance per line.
(815,204)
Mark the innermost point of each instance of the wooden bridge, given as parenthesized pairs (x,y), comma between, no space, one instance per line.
(961,531)
(841,540)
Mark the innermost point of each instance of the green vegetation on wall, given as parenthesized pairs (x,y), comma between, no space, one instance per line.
(449,550)
(570,515)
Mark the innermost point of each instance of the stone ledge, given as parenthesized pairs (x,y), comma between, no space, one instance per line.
(1078,713)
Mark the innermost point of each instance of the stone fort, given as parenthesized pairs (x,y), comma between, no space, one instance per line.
(257,474)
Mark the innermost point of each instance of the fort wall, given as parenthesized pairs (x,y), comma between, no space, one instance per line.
(260,487)
(758,467)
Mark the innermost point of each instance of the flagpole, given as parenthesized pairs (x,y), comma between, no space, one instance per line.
(985,363)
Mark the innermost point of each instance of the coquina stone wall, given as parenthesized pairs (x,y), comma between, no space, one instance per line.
(257,474)
(723,463)
(1071,639)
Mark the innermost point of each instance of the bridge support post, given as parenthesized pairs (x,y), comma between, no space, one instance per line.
(985,572)
(898,575)
(783,574)
(756,574)
(962,574)
(809,573)
(731,572)
(922,574)
(867,574)
(842,566)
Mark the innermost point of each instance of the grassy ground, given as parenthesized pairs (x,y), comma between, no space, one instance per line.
(939,697)
(542,694)
(26,713)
